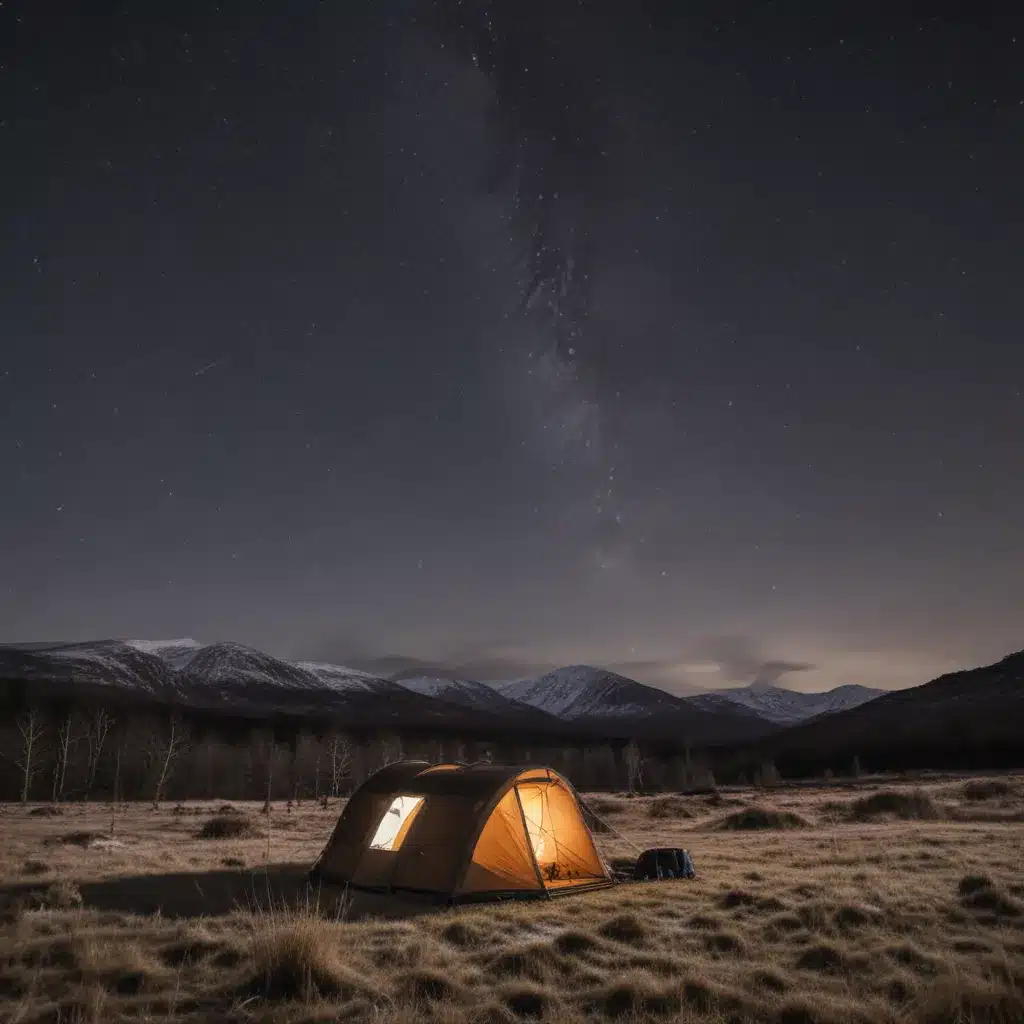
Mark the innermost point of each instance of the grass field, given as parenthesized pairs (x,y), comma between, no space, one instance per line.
(885,901)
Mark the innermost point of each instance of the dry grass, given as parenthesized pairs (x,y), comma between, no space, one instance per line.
(854,915)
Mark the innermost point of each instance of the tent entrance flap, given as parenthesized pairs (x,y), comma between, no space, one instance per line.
(560,840)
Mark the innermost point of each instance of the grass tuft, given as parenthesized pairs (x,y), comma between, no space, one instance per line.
(62,895)
(669,807)
(987,789)
(575,943)
(626,928)
(227,826)
(296,957)
(911,805)
(529,1001)
(465,934)
(823,957)
(759,817)
(973,883)
(423,985)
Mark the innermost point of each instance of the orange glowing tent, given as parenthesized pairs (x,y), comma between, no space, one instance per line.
(464,832)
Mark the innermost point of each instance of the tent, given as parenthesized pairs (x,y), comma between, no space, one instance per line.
(464,832)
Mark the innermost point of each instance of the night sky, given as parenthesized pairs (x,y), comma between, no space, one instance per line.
(682,337)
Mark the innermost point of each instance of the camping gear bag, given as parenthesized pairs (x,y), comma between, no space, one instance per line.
(663,862)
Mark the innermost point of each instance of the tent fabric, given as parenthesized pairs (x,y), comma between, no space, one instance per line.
(502,859)
(464,831)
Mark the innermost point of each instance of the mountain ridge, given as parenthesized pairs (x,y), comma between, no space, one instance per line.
(229,677)
(970,717)
(586,694)
(788,707)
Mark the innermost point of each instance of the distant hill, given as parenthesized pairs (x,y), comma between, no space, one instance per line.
(788,707)
(968,719)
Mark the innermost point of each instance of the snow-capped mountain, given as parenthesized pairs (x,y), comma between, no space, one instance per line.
(581,691)
(471,694)
(584,694)
(106,663)
(230,678)
(787,707)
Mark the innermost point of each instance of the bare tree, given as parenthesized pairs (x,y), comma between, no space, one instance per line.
(117,783)
(340,761)
(175,742)
(95,736)
(30,725)
(60,769)
(634,767)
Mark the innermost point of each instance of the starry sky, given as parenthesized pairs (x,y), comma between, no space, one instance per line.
(681,339)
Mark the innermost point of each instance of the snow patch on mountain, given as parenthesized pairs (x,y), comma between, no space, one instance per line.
(341,678)
(177,653)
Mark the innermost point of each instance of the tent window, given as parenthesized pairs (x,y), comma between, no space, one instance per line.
(394,826)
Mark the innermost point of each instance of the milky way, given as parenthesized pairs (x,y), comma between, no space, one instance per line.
(551,124)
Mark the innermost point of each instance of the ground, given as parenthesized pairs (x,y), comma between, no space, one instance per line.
(881,901)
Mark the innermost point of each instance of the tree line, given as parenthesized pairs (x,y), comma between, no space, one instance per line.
(64,752)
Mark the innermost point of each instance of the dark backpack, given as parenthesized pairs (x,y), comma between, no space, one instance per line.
(663,862)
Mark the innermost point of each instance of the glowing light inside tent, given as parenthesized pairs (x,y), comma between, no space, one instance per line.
(532,799)
(392,828)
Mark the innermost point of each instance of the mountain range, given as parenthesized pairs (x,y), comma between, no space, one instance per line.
(973,714)
(788,707)
(231,677)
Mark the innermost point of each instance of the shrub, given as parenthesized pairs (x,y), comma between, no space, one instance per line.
(912,805)
(669,807)
(226,826)
(62,895)
(756,817)
(987,789)
(295,957)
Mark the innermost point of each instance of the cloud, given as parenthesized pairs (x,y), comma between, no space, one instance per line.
(741,660)
(398,666)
